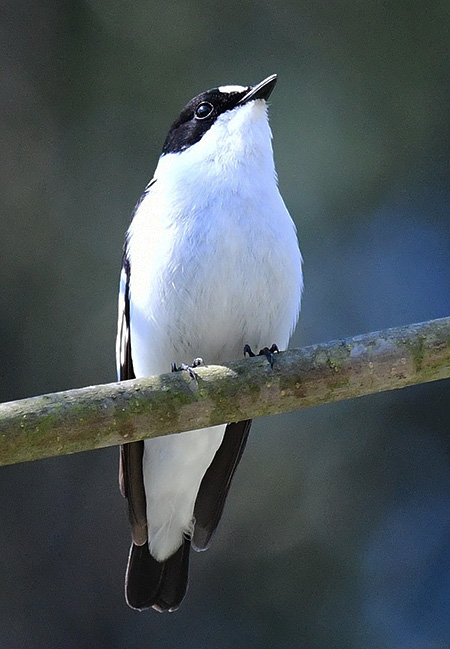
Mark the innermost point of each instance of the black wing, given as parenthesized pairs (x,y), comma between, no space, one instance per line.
(130,469)
(147,582)
(216,483)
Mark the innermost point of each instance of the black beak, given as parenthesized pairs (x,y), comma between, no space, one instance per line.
(260,91)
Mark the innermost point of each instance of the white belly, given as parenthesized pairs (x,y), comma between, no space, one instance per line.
(199,292)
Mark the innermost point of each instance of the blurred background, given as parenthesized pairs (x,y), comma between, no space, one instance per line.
(337,529)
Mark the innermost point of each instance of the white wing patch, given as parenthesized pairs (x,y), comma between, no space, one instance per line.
(123,330)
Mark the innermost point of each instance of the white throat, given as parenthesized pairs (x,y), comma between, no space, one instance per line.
(235,153)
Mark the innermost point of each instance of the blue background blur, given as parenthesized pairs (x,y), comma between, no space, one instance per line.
(337,529)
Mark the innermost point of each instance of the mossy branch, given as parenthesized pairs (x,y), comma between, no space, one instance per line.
(106,415)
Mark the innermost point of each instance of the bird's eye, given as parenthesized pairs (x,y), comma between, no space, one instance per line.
(204,110)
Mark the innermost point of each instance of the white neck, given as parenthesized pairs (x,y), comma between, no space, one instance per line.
(234,154)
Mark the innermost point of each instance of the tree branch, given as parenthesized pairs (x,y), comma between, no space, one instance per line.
(106,415)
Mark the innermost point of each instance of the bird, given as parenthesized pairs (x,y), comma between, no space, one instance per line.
(211,267)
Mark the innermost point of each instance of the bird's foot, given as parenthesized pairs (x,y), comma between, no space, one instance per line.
(268,352)
(190,369)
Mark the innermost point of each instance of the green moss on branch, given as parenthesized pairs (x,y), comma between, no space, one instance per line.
(106,415)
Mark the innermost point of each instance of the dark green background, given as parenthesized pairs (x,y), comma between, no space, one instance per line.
(337,529)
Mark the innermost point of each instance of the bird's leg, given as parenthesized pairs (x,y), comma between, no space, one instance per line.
(268,352)
(190,369)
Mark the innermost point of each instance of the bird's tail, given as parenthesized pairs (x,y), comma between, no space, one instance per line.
(150,583)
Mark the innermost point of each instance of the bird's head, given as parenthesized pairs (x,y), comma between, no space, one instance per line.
(225,126)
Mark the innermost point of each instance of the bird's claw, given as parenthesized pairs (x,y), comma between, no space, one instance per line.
(268,352)
(190,369)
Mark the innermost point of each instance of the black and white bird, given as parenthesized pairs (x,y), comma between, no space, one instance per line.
(211,265)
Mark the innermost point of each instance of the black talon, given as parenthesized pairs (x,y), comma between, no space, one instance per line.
(248,351)
(188,368)
(268,352)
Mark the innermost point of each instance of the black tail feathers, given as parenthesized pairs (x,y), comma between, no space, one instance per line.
(161,585)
